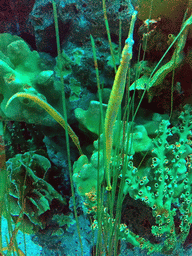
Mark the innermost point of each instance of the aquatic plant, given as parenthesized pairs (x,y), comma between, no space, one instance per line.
(161,179)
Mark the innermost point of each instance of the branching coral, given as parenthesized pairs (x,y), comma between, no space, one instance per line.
(166,188)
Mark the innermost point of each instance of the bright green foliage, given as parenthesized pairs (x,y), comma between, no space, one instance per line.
(162,183)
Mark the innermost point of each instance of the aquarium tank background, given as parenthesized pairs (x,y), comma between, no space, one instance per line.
(95,127)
